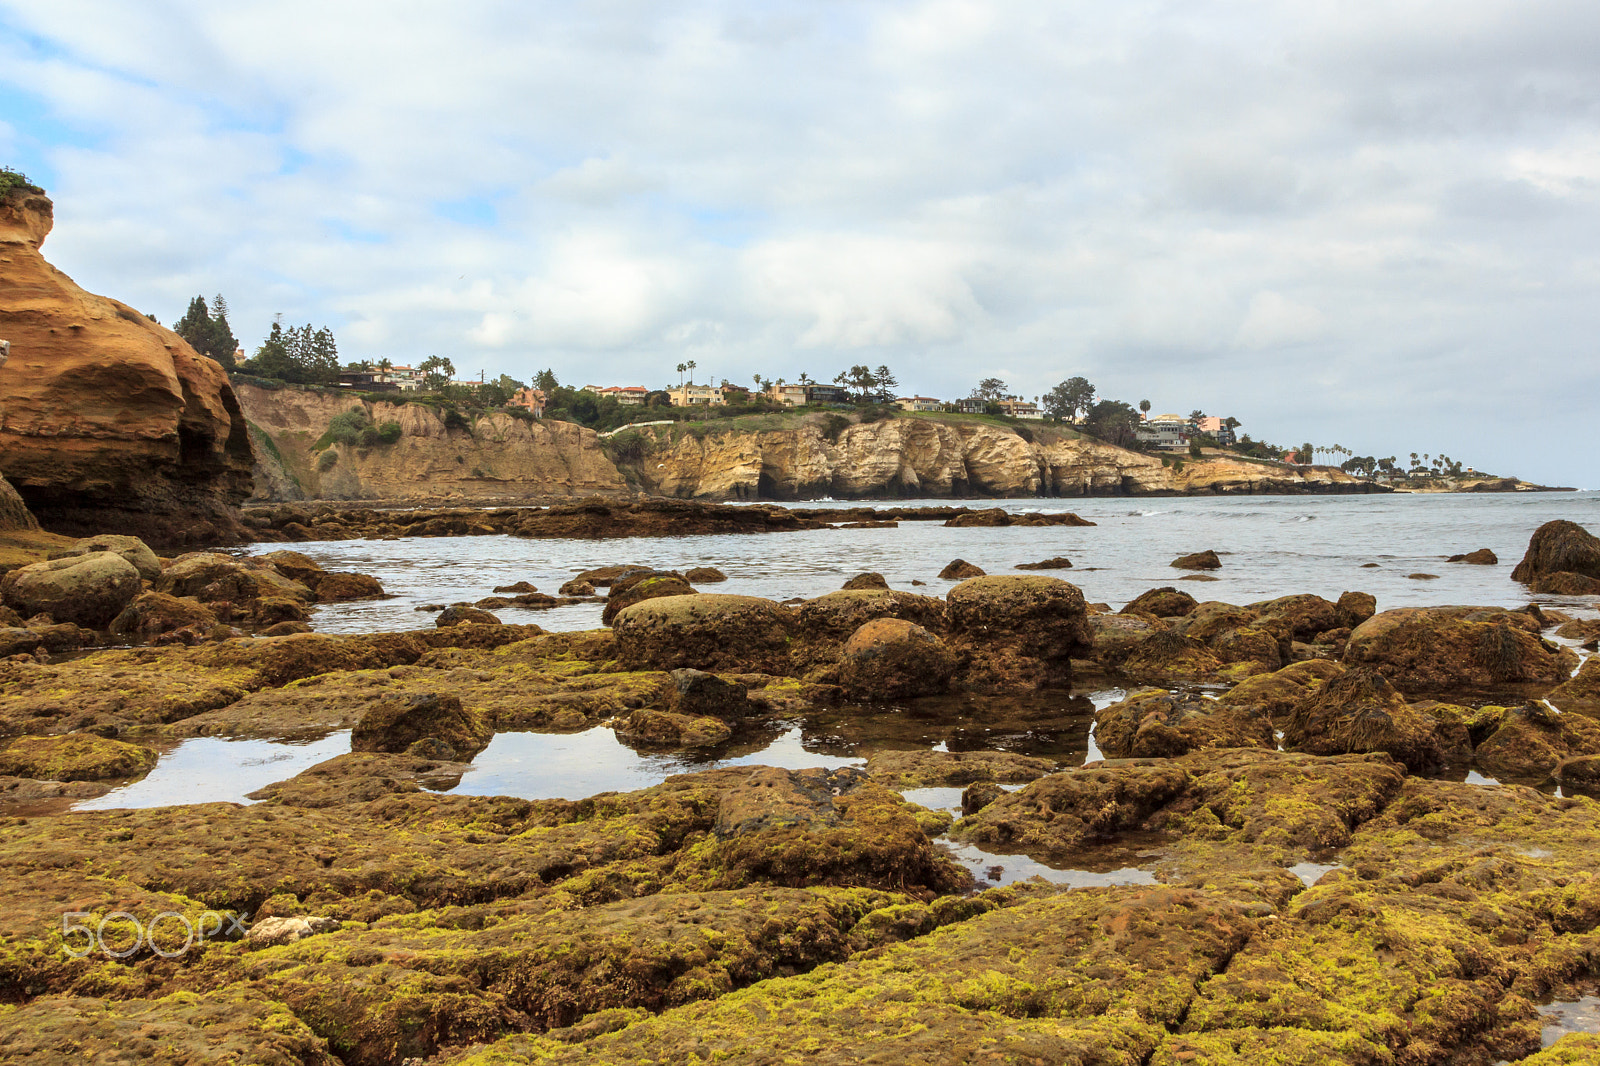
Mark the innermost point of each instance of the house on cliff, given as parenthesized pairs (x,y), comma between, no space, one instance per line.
(919,403)
(530,400)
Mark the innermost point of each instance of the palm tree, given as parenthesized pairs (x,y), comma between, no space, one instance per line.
(384,366)
(1144,408)
(690,367)
(681,368)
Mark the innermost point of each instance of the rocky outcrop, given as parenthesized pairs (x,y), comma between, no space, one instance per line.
(108,422)
(14,514)
(1559,547)
(494,456)
(926,457)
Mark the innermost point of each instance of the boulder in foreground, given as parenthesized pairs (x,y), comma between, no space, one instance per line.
(87,590)
(396,723)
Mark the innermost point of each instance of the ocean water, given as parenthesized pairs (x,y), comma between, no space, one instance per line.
(1269,545)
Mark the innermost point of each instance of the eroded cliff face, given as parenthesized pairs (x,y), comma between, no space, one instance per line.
(109,422)
(498,457)
(921,457)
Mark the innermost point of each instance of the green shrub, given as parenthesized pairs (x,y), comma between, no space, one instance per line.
(454,419)
(832,426)
(15,179)
(348,426)
(1194,449)
(630,447)
(327,460)
(376,436)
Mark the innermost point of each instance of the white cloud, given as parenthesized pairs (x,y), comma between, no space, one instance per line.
(1400,192)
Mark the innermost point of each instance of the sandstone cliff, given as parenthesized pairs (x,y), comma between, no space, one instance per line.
(496,457)
(108,422)
(924,457)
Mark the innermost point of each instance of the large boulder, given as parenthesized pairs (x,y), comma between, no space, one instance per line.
(1565,583)
(1440,649)
(340,587)
(640,586)
(829,620)
(396,723)
(1018,631)
(1277,693)
(1355,607)
(1359,712)
(1165,602)
(891,658)
(74,757)
(868,580)
(707,631)
(1298,617)
(87,590)
(132,549)
(112,422)
(1559,547)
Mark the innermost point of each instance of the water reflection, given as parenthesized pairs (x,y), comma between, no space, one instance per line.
(215,770)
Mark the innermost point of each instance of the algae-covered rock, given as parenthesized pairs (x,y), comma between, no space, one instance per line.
(1356,607)
(891,658)
(927,769)
(1159,724)
(74,757)
(822,827)
(1165,602)
(1055,562)
(461,616)
(1297,803)
(1580,694)
(673,729)
(234,1025)
(960,570)
(362,776)
(640,586)
(340,587)
(1360,712)
(870,580)
(1166,655)
(823,624)
(1533,739)
(395,723)
(1559,546)
(87,590)
(704,575)
(706,631)
(210,577)
(1064,811)
(697,693)
(1565,583)
(1090,977)
(1017,632)
(152,614)
(1206,560)
(1299,617)
(1479,557)
(1422,649)
(1277,693)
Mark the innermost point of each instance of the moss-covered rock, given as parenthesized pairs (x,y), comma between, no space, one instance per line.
(1158,724)
(395,723)
(640,586)
(706,631)
(1559,546)
(1060,813)
(1017,632)
(1165,602)
(927,769)
(1360,712)
(891,658)
(87,590)
(152,614)
(1444,650)
(1533,739)
(74,757)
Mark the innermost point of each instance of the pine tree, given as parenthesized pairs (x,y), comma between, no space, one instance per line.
(195,325)
(223,342)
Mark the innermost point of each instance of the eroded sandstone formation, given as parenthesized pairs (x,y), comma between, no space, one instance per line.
(109,422)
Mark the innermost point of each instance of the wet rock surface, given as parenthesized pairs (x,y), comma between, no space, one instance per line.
(1328,904)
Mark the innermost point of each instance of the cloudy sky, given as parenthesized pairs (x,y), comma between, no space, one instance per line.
(1345,221)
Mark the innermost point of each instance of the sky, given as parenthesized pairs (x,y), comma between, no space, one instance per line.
(1374,224)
